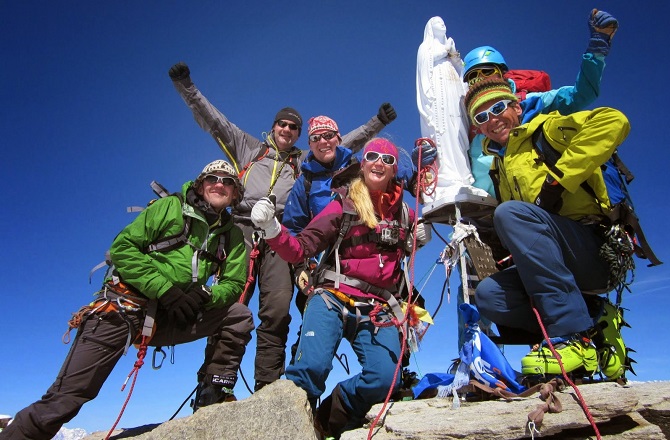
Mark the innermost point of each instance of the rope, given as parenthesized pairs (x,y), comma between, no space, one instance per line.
(427,176)
(419,187)
(184,402)
(141,353)
(251,278)
(581,400)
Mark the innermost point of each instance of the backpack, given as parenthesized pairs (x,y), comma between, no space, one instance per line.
(528,81)
(617,177)
(168,243)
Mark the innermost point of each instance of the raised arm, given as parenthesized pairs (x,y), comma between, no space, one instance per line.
(239,146)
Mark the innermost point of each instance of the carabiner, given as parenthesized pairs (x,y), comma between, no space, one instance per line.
(154,365)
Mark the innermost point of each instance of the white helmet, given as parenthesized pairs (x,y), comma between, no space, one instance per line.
(223,167)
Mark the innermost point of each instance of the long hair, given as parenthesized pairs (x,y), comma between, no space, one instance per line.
(360,195)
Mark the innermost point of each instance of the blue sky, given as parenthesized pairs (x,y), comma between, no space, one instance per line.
(90,117)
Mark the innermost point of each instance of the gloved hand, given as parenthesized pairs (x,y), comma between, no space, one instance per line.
(182,308)
(428,155)
(263,217)
(302,280)
(423,233)
(386,113)
(549,197)
(602,27)
(202,294)
(179,71)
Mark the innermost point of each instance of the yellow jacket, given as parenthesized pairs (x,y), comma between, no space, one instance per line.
(585,140)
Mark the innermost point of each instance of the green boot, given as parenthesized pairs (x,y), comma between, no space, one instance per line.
(612,352)
(576,354)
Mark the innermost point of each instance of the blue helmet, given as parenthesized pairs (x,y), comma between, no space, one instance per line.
(484,55)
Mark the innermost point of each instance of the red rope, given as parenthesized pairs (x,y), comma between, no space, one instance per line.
(419,187)
(422,177)
(582,402)
(250,272)
(141,353)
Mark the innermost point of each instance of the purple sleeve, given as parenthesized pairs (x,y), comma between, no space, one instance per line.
(320,233)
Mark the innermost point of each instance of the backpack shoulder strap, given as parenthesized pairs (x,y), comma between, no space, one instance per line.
(166,244)
(262,152)
(307,182)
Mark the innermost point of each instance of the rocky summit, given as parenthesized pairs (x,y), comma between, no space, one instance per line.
(281,411)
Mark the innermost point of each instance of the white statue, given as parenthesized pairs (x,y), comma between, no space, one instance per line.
(439,96)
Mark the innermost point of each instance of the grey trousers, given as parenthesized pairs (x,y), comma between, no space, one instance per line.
(98,346)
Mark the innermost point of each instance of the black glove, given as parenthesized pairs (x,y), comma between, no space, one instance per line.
(179,71)
(386,113)
(182,308)
(549,198)
(202,294)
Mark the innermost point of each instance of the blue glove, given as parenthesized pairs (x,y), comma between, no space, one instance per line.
(602,27)
(428,155)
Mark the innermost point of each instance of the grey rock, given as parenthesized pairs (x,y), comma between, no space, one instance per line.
(278,411)
(634,411)
(281,411)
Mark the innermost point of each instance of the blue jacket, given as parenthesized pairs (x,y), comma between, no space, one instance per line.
(301,206)
(566,100)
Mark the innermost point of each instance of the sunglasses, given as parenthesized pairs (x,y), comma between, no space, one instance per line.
(496,109)
(326,136)
(482,73)
(291,125)
(373,156)
(213,179)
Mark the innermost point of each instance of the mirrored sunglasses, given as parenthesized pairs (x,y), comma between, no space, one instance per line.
(496,109)
(482,73)
(291,125)
(213,179)
(373,156)
(326,136)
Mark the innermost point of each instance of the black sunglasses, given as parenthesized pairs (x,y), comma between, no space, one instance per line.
(291,125)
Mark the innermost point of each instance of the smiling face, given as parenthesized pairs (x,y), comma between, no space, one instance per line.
(285,137)
(219,193)
(498,127)
(376,174)
(324,149)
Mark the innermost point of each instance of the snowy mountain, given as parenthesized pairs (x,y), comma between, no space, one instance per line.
(70,434)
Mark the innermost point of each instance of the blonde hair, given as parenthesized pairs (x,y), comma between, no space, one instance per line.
(360,195)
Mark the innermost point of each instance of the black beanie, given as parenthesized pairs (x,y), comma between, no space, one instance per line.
(290,114)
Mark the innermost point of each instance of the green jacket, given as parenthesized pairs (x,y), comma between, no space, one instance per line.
(153,273)
(586,140)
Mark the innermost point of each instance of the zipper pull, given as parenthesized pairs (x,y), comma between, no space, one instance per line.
(381,262)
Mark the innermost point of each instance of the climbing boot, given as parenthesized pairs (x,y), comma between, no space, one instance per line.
(214,389)
(612,352)
(332,417)
(577,354)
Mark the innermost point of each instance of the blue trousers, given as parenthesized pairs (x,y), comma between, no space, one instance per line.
(377,350)
(555,259)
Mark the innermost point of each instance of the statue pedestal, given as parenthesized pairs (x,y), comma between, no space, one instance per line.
(449,210)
